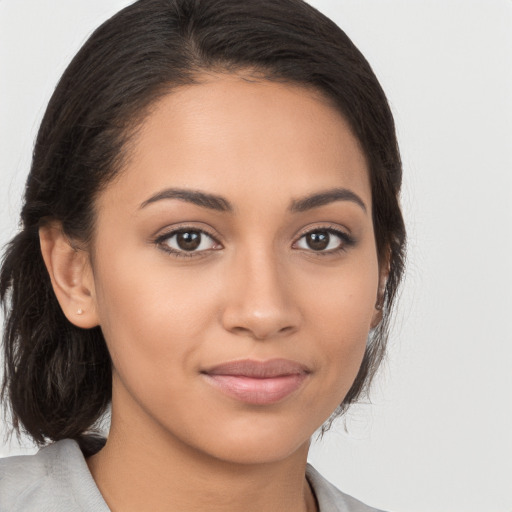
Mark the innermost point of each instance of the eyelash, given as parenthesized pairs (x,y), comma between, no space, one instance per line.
(162,239)
(346,241)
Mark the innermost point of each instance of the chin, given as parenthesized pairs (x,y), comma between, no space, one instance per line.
(255,439)
(259,451)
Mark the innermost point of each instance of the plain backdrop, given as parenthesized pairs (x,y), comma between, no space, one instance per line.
(437,435)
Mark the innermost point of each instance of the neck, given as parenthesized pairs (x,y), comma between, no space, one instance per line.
(148,469)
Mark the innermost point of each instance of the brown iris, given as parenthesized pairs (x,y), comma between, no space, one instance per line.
(188,240)
(318,240)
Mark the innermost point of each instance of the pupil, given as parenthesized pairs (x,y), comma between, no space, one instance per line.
(318,240)
(188,240)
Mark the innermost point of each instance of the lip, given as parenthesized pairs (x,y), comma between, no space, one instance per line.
(257,382)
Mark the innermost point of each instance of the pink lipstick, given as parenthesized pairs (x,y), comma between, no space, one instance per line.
(257,382)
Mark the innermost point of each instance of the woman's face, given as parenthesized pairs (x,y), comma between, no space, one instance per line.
(235,272)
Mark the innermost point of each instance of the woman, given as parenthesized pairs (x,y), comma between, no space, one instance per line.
(211,244)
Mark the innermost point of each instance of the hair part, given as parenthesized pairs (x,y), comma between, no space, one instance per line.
(57,377)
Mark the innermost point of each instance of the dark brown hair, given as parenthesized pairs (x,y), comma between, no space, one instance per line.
(57,378)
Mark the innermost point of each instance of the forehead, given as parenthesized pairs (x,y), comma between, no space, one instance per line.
(244,138)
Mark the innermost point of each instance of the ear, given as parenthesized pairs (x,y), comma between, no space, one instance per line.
(384,269)
(71,275)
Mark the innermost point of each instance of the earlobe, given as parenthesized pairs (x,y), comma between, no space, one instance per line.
(71,276)
(378,314)
(381,296)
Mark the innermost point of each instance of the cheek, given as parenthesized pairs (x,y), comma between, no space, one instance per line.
(340,317)
(151,319)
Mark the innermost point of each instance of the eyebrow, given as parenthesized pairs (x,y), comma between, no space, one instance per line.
(221,204)
(326,197)
(203,199)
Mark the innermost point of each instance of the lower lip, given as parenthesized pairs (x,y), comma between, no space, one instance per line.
(257,391)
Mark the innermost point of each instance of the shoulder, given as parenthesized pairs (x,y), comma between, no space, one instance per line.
(330,498)
(54,479)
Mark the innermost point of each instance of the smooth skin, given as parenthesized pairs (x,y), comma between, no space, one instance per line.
(257,273)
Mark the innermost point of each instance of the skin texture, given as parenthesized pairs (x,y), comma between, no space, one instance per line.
(255,290)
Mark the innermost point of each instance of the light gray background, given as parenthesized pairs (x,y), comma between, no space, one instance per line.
(437,436)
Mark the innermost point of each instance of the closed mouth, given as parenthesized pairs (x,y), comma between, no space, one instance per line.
(257,382)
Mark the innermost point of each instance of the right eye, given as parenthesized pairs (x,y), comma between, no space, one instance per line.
(187,242)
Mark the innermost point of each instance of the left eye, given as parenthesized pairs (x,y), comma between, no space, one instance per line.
(187,240)
(321,241)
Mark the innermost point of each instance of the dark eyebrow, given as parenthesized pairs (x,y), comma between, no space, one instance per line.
(326,197)
(203,199)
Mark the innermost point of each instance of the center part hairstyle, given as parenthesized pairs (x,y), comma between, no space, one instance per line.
(57,377)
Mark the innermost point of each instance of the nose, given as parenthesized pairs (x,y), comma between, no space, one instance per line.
(259,300)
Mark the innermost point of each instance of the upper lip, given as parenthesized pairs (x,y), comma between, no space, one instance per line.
(258,369)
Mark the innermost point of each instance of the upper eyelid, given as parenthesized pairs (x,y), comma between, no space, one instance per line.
(333,228)
(168,232)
